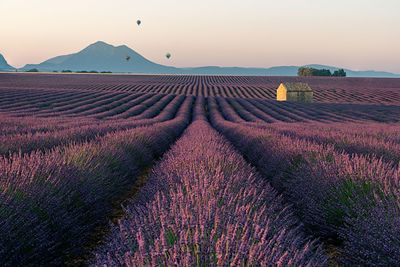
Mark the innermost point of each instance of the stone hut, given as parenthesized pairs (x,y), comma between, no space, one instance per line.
(294,92)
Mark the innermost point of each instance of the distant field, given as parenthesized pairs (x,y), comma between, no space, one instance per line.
(327,90)
(211,170)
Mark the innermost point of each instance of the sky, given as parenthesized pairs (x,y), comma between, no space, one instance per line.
(355,34)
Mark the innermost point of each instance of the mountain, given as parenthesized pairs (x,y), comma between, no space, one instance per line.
(4,65)
(101,56)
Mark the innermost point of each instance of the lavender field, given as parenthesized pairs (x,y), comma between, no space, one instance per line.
(169,170)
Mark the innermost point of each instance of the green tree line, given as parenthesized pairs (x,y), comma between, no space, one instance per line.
(303,71)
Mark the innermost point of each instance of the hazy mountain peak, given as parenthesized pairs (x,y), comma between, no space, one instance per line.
(4,65)
(2,59)
(100,44)
(101,56)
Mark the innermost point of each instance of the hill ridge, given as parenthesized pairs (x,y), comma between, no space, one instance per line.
(4,66)
(101,56)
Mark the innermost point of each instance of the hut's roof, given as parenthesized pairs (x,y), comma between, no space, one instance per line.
(297,87)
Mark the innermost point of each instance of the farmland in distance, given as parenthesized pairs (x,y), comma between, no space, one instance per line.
(210,171)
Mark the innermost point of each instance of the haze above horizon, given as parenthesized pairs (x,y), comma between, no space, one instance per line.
(353,34)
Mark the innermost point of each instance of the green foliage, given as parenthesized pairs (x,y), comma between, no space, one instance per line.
(348,196)
(68,71)
(170,236)
(303,71)
(33,70)
(339,73)
(92,71)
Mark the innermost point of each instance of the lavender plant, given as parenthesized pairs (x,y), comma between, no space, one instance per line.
(205,206)
(335,194)
(51,201)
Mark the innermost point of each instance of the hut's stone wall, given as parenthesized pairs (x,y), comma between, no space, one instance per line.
(294,92)
(306,97)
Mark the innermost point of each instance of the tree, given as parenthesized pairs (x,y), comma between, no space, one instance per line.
(324,72)
(300,71)
(307,71)
(33,70)
(339,73)
(303,71)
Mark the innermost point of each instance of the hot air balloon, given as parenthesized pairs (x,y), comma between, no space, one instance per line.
(138,22)
(127,58)
(168,55)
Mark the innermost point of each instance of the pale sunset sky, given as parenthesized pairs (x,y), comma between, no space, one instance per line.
(355,34)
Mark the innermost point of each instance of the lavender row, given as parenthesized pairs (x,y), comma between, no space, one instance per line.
(34,103)
(21,97)
(350,201)
(65,106)
(51,202)
(388,132)
(351,143)
(155,108)
(218,107)
(331,90)
(264,111)
(41,141)
(10,125)
(350,138)
(118,106)
(25,143)
(122,107)
(205,206)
